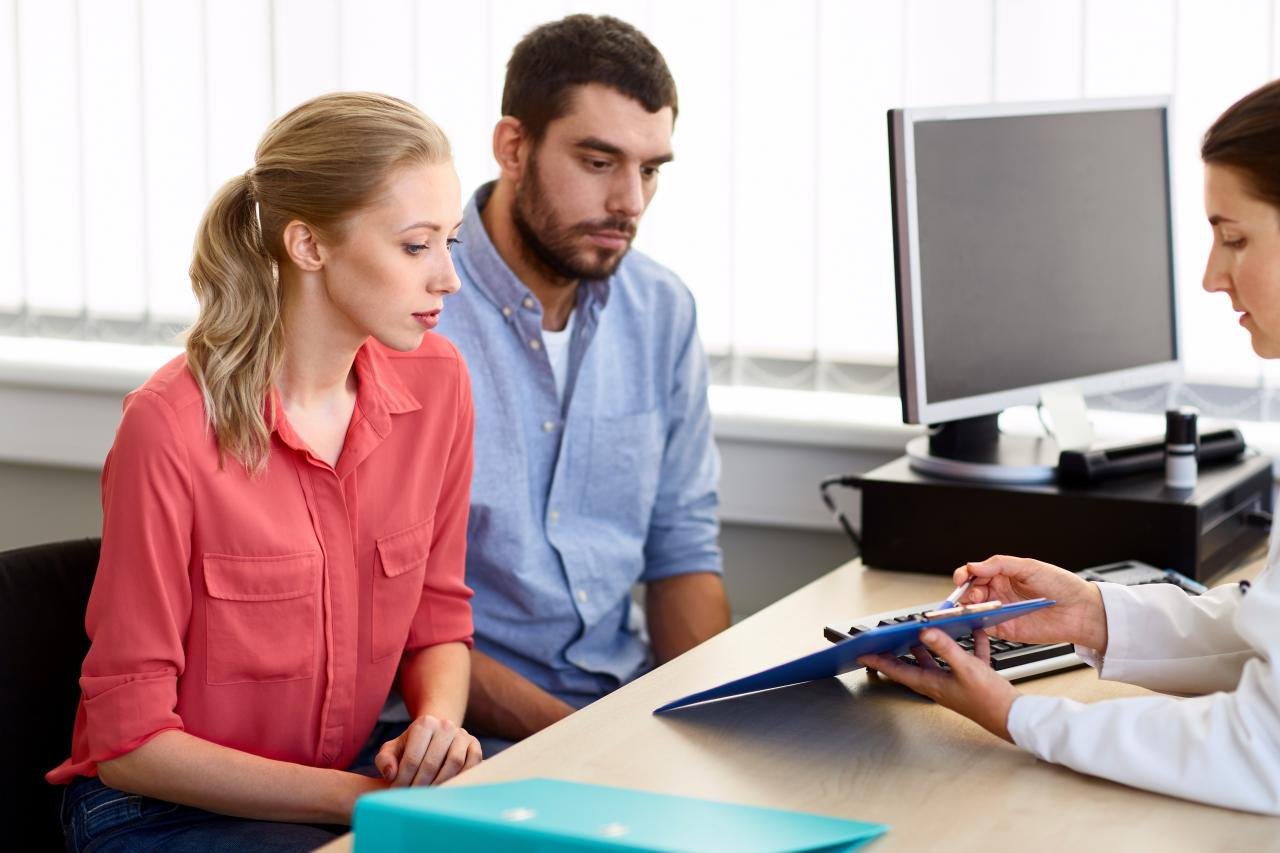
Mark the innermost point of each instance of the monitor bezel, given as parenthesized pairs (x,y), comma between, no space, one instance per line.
(911,366)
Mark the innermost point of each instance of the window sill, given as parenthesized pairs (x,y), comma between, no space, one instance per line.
(818,418)
(64,402)
(98,370)
(70,365)
(776,445)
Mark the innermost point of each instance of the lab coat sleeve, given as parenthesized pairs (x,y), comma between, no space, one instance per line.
(1221,748)
(1163,639)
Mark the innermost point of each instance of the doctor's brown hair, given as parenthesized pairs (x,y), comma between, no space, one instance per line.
(1246,138)
(318,164)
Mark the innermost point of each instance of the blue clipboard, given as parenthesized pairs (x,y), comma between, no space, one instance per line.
(843,656)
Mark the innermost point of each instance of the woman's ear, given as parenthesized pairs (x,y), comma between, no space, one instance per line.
(510,147)
(302,247)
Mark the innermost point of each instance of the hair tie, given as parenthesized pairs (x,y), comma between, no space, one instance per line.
(257,208)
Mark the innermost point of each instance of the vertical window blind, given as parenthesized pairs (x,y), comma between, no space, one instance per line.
(119,118)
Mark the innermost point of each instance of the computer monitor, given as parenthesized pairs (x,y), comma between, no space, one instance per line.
(1033,250)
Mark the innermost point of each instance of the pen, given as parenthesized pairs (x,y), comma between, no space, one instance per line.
(961,610)
(950,600)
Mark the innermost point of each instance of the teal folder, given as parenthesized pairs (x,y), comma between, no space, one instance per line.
(550,815)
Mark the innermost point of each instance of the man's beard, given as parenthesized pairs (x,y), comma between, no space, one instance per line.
(554,245)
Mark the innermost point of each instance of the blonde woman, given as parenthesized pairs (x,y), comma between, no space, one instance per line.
(1222,745)
(285,509)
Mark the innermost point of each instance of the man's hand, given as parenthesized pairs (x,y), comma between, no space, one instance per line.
(972,688)
(429,752)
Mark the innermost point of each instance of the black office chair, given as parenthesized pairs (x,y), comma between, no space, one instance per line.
(44,590)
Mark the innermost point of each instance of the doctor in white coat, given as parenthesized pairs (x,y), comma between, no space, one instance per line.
(1222,649)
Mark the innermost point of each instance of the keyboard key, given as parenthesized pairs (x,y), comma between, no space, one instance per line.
(1029,654)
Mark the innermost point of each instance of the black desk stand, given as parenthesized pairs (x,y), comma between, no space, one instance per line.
(912,522)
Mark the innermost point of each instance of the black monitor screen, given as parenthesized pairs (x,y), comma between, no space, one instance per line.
(1044,248)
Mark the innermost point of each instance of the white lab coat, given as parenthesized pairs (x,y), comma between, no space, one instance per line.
(1223,745)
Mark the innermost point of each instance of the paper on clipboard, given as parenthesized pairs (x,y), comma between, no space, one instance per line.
(843,656)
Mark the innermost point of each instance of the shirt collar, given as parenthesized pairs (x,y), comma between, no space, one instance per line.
(490,274)
(380,393)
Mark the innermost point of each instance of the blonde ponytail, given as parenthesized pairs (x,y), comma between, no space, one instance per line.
(318,164)
(235,346)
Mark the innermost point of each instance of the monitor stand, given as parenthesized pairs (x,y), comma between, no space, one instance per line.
(974,449)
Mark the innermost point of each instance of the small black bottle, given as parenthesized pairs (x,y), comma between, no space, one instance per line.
(1181,441)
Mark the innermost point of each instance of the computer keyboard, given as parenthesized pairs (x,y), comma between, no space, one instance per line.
(1015,661)
(1011,660)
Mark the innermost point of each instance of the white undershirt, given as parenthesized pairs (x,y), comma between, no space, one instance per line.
(557,346)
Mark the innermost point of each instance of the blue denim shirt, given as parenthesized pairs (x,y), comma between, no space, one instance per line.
(574,503)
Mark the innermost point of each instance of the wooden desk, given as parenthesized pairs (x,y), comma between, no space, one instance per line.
(854,748)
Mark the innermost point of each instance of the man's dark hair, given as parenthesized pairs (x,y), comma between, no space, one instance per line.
(555,58)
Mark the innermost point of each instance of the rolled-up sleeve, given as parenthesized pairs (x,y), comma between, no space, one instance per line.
(444,611)
(684,528)
(129,677)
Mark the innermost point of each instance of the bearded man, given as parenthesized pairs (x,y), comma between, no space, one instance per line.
(595,467)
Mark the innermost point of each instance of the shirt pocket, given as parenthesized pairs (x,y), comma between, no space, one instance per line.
(397,586)
(262,617)
(624,467)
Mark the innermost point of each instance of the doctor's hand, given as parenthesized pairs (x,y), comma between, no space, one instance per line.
(429,752)
(971,688)
(1078,617)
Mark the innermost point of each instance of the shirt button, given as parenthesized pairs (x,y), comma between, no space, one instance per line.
(582,596)
(553,516)
(548,426)
(528,302)
(506,310)
(534,343)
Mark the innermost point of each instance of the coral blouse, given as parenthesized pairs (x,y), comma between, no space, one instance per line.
(269,615)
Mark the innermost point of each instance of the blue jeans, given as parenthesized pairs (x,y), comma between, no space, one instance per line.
(97,818)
